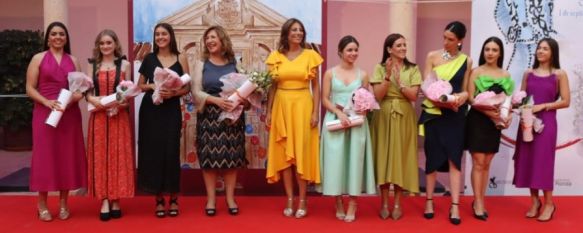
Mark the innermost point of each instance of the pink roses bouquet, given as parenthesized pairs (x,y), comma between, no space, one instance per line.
(167,79)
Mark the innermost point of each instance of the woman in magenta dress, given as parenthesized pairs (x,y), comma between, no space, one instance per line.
(58,154)
(534,162)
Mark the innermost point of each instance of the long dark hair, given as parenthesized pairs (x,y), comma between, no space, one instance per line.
(554,53)
(283,46)
(345,41)
(389,42)
(499,43)
(67,46)
(173,44)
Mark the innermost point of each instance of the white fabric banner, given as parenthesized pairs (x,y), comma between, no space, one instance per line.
(520,25)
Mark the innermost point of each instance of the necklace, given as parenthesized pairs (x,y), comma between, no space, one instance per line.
(446,56)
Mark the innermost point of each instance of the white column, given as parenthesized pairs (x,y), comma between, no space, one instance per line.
(403,20)
(56,10)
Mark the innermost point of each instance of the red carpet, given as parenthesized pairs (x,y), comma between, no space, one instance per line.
(263,214)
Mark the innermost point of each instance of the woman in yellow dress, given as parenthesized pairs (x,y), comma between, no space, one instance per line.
(292,115)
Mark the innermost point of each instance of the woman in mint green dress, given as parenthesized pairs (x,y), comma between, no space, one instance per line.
(346,154)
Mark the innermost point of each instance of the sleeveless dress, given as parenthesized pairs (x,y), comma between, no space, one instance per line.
(534,162)
(482,135)
(444,129)
(109,146)
(394,133)
(346,161)
(159,136)
(292,140)
(220,145)
(58,154)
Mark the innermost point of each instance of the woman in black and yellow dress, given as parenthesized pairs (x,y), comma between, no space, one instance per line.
(443,124)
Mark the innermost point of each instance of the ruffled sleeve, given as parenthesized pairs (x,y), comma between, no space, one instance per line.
(273,62)
(378,74)
(314,60)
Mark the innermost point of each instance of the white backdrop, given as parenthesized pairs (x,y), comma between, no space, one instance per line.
(520,24)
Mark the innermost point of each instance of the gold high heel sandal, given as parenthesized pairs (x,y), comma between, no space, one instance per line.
(384,213)
(340,215)
(289,211)
(44,215)
(302,212)
(350,217)
(397,213)
(64,213)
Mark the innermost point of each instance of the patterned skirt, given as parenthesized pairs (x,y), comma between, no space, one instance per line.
(220,144)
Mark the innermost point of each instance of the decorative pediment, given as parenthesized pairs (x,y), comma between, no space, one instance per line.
(227,13)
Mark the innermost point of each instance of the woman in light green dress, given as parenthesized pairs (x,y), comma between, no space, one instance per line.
(346,155)
(396,83)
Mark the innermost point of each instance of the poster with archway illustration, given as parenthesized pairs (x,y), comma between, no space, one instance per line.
(520,25)
(254,28)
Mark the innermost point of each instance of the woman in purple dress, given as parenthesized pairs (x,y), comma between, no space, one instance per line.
(534,161)
(58,154)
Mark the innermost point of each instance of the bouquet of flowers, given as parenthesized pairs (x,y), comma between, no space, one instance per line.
(78,82)
(125,89)
(529,122)
(437,90)
(167,79)
(489,100)
(238,87)
(362,100)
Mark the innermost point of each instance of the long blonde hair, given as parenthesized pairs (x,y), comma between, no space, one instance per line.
(97,56)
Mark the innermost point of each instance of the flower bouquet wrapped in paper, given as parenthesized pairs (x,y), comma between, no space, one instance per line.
(167,79)
(239,87)
(489,100)
(362,100)
(125,89)
(437,90)
(529,123)
(78,82)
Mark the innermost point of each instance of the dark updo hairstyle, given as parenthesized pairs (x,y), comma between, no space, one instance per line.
(345,41)
(389,42)
(554,53)
(500,45)
(457,28)
(283,46)
(67,46)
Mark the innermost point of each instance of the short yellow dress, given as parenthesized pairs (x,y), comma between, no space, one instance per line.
(292,141)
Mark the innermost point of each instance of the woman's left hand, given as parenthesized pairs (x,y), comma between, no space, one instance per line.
(76,96)
(314,120)
(167,94)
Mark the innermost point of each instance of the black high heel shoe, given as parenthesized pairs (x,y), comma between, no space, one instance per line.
(115,213)
(452,220)
(482,217)
(173,212)
(233,211)
(210,211)
(160,202)
(429,215)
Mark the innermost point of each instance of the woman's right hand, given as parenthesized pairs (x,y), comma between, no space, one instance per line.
(268,120)
(224,104)
(96,102)
(343,119)
(53,105)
